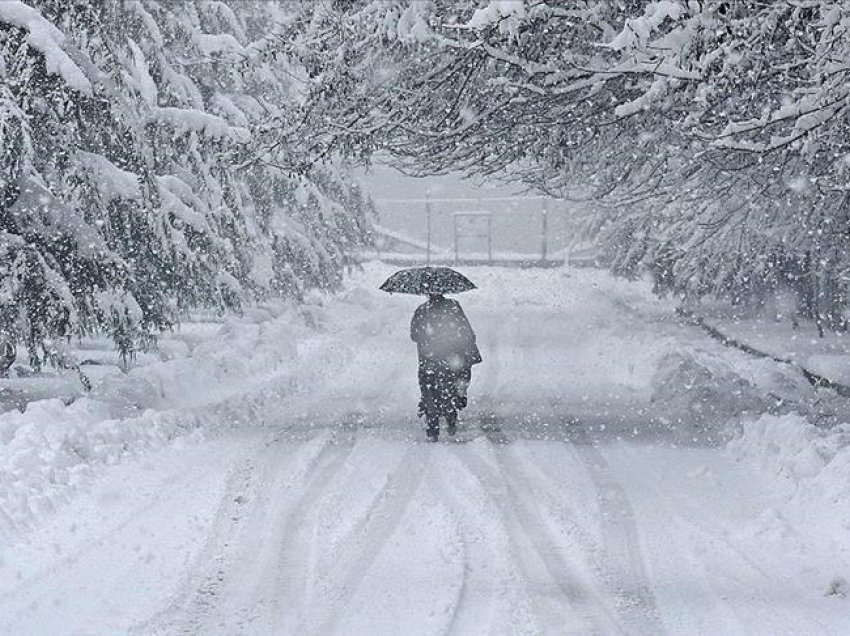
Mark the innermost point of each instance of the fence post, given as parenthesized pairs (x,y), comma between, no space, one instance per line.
(456,237)
(428,217)
(545,232)
(489,240)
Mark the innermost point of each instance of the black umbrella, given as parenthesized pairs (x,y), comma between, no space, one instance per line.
(427,280)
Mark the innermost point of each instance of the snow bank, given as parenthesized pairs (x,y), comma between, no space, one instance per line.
(808,468)
(208,378)
(700,395)
(48,40)
(48,450)
(807,462)
(51,447)
(241,354)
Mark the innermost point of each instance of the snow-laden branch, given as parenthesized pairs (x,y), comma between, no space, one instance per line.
(43,36)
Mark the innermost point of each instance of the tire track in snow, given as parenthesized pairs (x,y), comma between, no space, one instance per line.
(168,487)
(282,589)
(561,597)
(81,552)
(366,540)
(730,582)
(232,593)
(624,572)
(486,552)
(245,505)
(462,600)
(206,578)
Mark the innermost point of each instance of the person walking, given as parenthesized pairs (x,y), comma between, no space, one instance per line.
(447,351)
(444,340)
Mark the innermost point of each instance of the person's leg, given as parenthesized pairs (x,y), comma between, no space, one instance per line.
(463,380)
(428,405)
(451,423)
(445,389)
(433,430)
(426,388)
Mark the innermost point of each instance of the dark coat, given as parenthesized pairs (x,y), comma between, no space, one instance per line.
(442,333)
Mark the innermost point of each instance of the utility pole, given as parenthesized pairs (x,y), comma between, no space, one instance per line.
(545,232)
(489,240)
(457,253)
(428,217)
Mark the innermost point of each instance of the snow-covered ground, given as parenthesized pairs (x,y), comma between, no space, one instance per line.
(271,477)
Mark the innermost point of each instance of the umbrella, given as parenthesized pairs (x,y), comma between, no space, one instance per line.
(427,280)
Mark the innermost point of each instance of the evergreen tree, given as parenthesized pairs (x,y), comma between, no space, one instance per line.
(131,188)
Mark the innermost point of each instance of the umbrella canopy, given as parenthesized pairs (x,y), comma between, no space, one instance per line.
(427,280)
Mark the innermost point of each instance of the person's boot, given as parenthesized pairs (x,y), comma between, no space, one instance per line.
(451,423)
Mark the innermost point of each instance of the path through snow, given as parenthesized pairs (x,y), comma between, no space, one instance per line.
(561,509)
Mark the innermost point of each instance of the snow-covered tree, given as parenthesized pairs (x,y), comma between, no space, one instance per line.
(131,186)
(714,133)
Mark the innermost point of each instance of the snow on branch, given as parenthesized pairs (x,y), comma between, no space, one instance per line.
(190,119)
(213,43)
(637,31)
(42,213)
(506,14)
(179,199)
(47,40)
(111,182)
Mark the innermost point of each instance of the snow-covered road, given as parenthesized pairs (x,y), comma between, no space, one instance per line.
(563,506)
